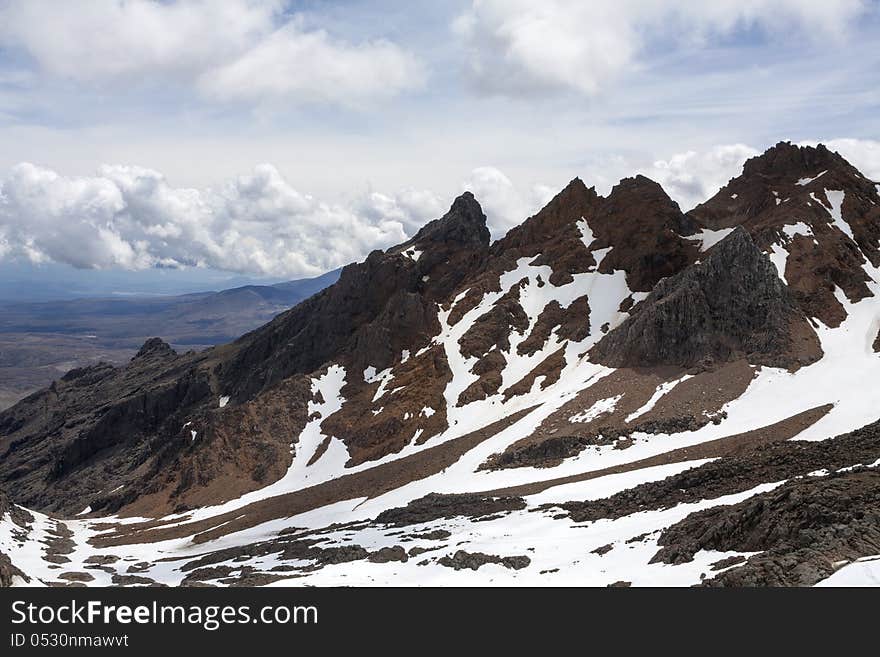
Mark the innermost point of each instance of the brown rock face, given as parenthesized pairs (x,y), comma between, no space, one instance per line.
(789,190)
(644,229)
(642,226)
(638,230)
(551,237)
(729,306)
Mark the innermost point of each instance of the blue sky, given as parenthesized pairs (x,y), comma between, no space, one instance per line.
(286,138)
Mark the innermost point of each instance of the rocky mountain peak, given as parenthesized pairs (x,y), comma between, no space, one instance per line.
(465,223)
(646,206)
(155,348)
(817,215)
(786,158)
(376,309)
(731,305)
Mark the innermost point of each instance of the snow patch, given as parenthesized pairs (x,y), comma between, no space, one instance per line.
(662,390)
(413,254)
(384,378)
(806,181)
(835,198)
(862,572)
(709,238)
(587,236)
(601,407)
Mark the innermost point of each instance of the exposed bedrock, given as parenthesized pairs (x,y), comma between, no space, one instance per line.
(729,306)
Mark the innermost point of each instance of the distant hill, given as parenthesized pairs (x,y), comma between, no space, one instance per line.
(39,341)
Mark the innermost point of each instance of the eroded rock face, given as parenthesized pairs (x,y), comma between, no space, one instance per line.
(729,306)
(93,429)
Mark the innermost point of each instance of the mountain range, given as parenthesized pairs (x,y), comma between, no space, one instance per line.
(40,340)
(614,393)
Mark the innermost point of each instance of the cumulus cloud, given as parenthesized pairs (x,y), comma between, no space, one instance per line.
(133,218)
(504,204)
(130,217)
(693,177)
(863,154)
(413,208)
(519,46)
(247,50)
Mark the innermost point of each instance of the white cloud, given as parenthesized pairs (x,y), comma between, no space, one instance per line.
(863,154)
(503,203)
(520,46)
(132,218)
(230,49)
(412,208)
(691,177)
(310,66)
(106,39)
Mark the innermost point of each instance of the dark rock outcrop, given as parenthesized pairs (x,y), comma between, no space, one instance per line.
(803,530)
(434,507)
(552,451)
(735,474)
(732,305)
(155,348)
(475,560)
